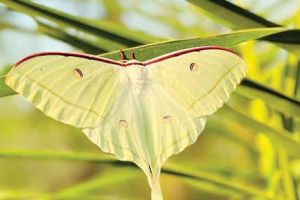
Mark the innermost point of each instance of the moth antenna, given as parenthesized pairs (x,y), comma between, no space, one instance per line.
(122,55)
(132,55)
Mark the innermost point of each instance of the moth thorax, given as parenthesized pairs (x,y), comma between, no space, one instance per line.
(137,78)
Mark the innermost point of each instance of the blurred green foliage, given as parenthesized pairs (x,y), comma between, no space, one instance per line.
(250,148)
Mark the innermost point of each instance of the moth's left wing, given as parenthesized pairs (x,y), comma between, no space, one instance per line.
(201,79)
(75,89)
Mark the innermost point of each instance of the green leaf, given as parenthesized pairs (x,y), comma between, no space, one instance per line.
(106,179)
(4,89)
(272,98)
(287,179)
(297,84)
(101,29)
(19,194)
(219,182)
(72,156)
(80,43)
(146,52)
(290,41)
(6,25)
(232,15)
(280,138)
(24,194)
(217,127)
(238,18)
(170,169)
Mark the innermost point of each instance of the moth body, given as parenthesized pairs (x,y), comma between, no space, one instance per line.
(136,75)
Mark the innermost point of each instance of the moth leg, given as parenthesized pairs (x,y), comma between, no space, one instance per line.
(132,56)
(122,55)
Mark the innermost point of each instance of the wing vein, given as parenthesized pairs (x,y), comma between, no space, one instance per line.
(59,97)
(214,86)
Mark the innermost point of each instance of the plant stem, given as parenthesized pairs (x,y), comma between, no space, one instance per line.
(156,193)
(153,176)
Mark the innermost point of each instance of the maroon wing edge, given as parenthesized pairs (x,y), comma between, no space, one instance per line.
(110,61)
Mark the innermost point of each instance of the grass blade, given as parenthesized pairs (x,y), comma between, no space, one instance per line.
(107,179)
(280,138)
(274,99)
(146,52)
(217,181)
(238,18)
(168,169)
(4,89)
(287,179)
(80,43)
(72,156)
(106,30)
(232,15)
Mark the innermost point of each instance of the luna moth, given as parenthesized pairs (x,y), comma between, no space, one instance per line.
(142,112)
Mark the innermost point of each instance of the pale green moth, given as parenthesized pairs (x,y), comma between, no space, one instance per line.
(142,112)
